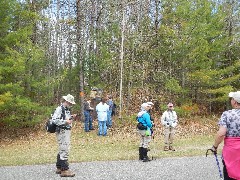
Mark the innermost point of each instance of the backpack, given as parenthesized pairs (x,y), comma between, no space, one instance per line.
(50,125)
(140,126)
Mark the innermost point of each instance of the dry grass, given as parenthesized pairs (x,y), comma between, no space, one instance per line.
(121,144)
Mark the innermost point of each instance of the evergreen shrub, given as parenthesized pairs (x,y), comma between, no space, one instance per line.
(19,111)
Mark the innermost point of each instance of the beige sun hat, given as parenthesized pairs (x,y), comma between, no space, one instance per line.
(69,98)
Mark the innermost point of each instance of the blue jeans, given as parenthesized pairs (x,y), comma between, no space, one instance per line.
(109,118)
(88,121)
(102,128)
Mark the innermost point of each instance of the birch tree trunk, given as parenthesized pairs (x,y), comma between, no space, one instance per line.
(121,59)
(80,59)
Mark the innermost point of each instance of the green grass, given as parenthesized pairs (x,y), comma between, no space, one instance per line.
(118,145)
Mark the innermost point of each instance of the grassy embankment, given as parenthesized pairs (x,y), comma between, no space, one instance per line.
(192,138)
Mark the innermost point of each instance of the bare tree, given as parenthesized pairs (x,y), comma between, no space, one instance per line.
(80,58)
(121,59)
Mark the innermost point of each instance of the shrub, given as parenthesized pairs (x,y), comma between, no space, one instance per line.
(19,111)
(185,110)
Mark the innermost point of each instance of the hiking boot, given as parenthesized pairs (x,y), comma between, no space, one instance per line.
(146,159)
(166,148)
(140,153)
(145,156)
(171,148)
(67,173)
(58,171)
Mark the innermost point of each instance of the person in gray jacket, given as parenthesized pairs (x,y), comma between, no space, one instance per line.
(63,119)
(169,121)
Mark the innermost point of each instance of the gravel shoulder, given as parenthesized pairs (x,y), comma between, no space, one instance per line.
(179,168)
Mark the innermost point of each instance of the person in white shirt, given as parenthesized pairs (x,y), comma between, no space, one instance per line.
(169,121)
(102,109)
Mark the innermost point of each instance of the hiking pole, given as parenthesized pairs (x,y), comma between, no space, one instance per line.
(215,154)
(154,149)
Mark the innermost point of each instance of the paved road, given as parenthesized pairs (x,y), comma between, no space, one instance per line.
(184,168)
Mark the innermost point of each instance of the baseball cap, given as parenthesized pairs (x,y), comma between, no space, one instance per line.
(150,103)
(235,96)
(144,105)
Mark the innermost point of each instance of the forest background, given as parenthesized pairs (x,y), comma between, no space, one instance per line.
(181,51)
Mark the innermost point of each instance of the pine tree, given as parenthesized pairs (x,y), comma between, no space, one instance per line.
(19,65)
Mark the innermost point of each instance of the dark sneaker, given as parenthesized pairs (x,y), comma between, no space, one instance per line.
(146,159)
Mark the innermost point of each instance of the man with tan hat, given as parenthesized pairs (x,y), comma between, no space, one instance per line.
(63,119)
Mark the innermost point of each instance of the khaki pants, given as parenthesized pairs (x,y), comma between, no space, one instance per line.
(63,138)
(144,140)
(168,135)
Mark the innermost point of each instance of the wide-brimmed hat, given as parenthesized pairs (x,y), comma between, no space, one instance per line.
(235,96)
(69,98)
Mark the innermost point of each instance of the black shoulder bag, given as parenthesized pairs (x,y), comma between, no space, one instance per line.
(140,126)
(51,126)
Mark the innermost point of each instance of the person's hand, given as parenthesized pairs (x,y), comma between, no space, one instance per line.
(69,121)
(214,149)
(174,124)
(153,125)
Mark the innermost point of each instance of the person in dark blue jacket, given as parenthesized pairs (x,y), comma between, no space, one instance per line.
(144,129)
